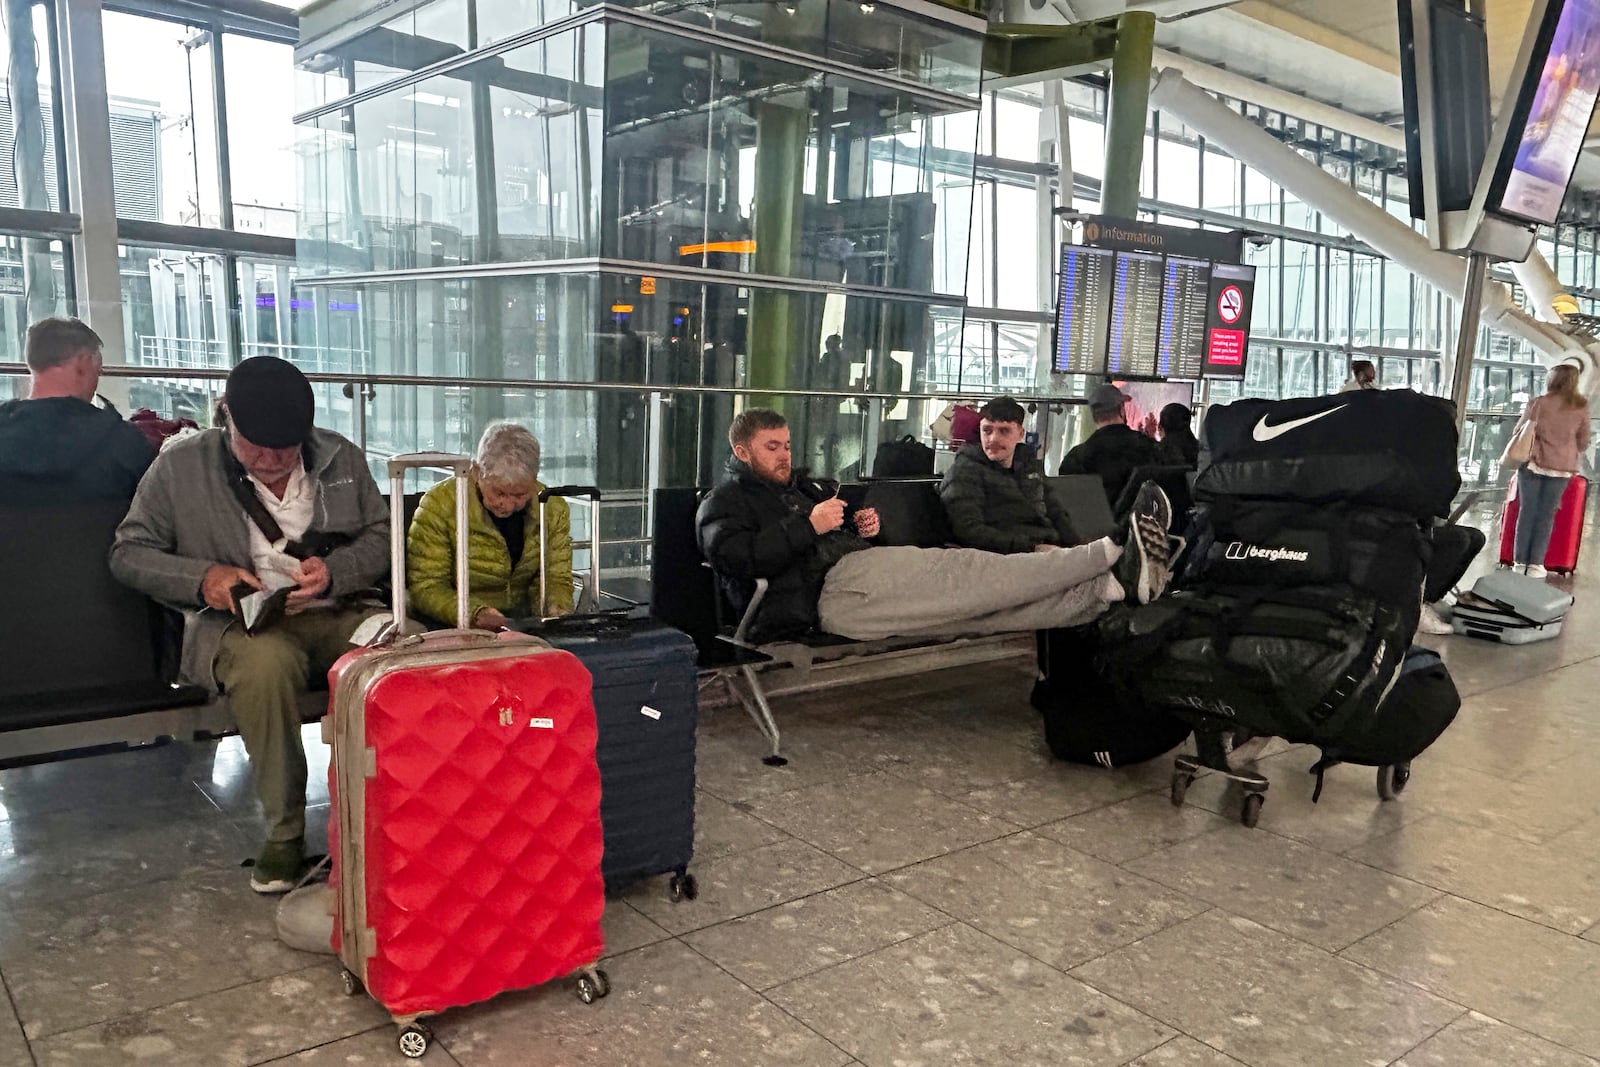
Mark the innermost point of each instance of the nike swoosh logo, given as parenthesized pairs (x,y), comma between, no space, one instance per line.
(1265,433)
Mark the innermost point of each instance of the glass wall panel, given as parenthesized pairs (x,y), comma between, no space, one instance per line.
(259,78)
(174,307)
(33,284)
(846,171)
(166,68)
(493,162)
(602,328)
(29,133)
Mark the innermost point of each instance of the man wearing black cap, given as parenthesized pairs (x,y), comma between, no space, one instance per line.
(1115,450)
(269,502)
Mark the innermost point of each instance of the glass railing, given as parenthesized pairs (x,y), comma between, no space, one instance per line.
(631,439)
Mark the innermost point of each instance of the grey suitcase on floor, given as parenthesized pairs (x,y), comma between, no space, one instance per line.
(1532,599)
(1477,618)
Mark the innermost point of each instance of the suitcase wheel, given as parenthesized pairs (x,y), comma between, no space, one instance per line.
(352,984)
(592,985)
(1392,779)
(1252,809)
(683,887)
(414,1040)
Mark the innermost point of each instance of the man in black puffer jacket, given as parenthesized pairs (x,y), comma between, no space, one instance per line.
(771,521)
(994,492)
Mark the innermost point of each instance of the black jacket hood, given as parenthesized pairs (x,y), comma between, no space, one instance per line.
(53,438)
(69,444)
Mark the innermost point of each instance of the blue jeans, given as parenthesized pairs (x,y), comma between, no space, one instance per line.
(1538,497)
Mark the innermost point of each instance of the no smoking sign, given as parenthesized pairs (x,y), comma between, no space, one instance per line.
(1230,304)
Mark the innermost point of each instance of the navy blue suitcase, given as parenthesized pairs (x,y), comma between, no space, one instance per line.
(645,707)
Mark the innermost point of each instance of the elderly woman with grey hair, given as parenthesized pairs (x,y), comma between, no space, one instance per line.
(503,538)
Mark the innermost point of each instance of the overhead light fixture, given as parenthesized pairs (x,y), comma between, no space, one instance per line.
(867,9)
(789,8)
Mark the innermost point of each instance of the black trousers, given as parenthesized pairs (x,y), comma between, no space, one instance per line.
(1454,549)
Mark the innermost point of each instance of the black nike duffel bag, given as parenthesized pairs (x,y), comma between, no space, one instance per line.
(1393,449)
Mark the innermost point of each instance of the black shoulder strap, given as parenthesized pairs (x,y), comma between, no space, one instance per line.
(245,493)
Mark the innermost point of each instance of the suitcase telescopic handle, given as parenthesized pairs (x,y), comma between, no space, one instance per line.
(461,467)
(591,493)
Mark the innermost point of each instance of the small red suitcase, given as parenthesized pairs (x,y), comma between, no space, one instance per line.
(466,837)
(1566,537)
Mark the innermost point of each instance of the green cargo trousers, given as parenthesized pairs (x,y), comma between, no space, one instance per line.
(264,678)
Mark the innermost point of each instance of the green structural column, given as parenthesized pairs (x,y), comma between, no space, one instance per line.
(1128,112)
(775,331)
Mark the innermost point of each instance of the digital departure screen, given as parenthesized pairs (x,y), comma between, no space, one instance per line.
(1552,138)
(1083,309)
(1183,319)
(1135,315)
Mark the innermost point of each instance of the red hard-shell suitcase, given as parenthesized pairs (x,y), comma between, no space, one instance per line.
(1566,537)
(466,837)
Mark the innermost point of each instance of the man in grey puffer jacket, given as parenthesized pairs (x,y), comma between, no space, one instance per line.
(267,502)
(994,493)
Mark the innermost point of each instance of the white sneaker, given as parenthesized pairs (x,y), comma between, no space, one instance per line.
(1536,571)
(1433,623)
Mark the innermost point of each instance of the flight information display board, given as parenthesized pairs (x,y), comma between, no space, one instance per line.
(1083,309)
(1147,315)
(1135,315)
(1181,350)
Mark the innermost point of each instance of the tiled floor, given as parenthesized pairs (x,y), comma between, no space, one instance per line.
(921,886)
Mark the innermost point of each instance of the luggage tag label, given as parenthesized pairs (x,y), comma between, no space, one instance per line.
(650,713)
(541,724)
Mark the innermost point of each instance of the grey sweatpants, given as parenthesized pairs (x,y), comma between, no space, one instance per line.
(933,592)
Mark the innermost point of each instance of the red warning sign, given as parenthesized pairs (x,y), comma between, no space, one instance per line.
(1230,304)
(1226,348)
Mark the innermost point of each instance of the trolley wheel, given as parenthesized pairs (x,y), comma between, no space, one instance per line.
(1180,787)
(1252,809)
(352,984)
(589,989)
(602,982)
(683,887)
(1392,779)
(414,1040)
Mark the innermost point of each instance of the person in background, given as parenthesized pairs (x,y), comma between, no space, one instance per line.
(994,491)
(1560,435)
(1115,450)
(58,436)
(1363,375)
(503,537)
(269,502)
(1178,446)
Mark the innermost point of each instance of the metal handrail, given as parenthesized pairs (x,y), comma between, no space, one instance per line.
(435,382)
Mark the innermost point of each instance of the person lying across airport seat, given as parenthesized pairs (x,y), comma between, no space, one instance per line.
(994,493)
(504,532)
(1115,449)
(267,503)
(770,521)
(58,436)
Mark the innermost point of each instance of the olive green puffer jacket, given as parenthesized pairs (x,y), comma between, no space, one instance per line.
(430,558)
